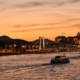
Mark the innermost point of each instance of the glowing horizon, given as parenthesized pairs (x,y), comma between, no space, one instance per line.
(30,19)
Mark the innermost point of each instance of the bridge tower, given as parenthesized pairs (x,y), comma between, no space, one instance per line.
(41,42)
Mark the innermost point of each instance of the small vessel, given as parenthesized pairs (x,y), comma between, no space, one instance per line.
(60,60)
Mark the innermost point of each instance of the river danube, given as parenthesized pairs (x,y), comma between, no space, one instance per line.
(38,67)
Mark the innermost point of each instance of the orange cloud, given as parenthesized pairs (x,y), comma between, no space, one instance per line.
(32,25)
(39,3)
(48,28)
(30,4)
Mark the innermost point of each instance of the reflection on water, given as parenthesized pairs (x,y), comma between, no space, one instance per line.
(38,67)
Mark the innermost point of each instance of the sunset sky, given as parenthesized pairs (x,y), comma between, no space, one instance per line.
(29,19)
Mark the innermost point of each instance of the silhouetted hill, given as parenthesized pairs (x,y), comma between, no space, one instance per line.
(5,40)
(20,42)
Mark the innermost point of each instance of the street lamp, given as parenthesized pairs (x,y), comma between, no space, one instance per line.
(14,45)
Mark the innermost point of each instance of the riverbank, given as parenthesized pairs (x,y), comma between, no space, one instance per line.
(15,53)
(36,52)
(4,52)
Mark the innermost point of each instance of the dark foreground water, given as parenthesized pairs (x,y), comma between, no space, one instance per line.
(38,67)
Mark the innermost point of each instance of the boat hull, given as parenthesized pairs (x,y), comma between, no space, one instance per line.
(60,61)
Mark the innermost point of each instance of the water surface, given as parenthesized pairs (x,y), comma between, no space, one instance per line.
(38,67)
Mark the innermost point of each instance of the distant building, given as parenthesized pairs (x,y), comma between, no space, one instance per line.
(69,40)
(59,38)
(77,38)
(74,39)
(78,34)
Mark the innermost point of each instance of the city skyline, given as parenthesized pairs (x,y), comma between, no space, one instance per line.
(29,19)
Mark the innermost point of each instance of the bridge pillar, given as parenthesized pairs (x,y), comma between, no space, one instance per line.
(41,43)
